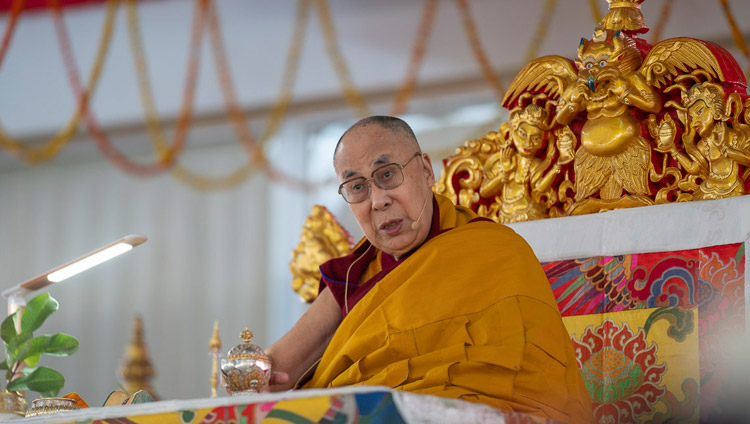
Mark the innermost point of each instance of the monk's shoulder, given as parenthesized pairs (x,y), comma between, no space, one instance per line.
(481,232)
(500,254)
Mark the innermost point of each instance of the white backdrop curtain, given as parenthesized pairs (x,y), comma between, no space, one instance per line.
(210,255)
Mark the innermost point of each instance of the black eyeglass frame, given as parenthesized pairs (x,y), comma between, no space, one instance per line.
(372,178)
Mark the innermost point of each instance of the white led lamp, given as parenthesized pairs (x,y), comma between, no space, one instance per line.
(15,294)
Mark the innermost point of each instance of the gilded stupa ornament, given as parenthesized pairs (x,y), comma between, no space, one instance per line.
(623,124)
(136,370)
(322,238)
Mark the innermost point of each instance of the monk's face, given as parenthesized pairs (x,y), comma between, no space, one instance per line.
(386,217)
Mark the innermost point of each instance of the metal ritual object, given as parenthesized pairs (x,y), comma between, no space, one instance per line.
(246,369)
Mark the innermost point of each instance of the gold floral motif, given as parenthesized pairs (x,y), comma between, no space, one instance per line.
(322,238)
(466,166)
(598,132)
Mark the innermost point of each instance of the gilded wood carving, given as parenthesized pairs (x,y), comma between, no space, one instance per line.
(624,124)
(322,238)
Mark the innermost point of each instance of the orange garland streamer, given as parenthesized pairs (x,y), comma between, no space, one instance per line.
(406,90)
(541,30)
(50,148)
(242,129)
(666,10)
(739,40)
(152,118)
(352,95)
(476,47)
(15,12)
(101,139)
(417,57)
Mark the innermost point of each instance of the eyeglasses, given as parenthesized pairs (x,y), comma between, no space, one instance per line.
(386,177)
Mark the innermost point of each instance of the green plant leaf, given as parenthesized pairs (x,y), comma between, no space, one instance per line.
(36,312)
(46,381)
(3,366)
(56,345)
(19,345)
(8,358)
(27,370)
(8,328)
(32,360)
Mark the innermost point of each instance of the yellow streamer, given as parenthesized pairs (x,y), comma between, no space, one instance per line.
(351,94)
(476,46)
(278,111)
(739,40)
(541,30)
(406,90)
(153,125)
(666,11)
(52,147)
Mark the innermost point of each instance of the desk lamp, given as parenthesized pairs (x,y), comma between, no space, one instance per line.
(16,294)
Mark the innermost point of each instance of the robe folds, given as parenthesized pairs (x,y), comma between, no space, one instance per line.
(469,315)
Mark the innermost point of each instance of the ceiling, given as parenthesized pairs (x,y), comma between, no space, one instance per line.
(374,39)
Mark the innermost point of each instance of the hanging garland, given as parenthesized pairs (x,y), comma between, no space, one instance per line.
(352,95)
(152,118)
(242,128)
(666,10)
(102,140)
(476,47)
(50,148)
(153,124)
(417,57)
(278,110)
(406,90)
(541,30)
(739,40)
(205,9)
(15,12)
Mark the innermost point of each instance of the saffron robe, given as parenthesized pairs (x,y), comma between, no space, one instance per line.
(469,315)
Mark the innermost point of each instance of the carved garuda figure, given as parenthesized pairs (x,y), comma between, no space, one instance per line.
(618,98)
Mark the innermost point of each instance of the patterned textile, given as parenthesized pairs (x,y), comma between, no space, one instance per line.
(347,406)
(655,333)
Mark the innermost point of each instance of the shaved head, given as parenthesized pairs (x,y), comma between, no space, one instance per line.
(390,123)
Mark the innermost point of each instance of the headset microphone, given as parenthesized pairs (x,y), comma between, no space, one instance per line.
(414,224)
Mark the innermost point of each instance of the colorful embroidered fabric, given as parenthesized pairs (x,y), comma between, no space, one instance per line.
(656,334)
(335,406)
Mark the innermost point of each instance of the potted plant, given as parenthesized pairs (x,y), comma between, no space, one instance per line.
(23,352)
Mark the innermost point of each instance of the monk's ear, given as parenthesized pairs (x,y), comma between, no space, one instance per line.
(427,166)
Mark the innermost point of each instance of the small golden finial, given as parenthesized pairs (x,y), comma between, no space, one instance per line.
(214,345)
(246,335)
(214,348)
(135,369)
(624,15)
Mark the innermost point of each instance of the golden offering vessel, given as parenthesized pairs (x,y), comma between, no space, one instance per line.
(246,369)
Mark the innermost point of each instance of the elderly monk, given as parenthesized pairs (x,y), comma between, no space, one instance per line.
(433,300)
